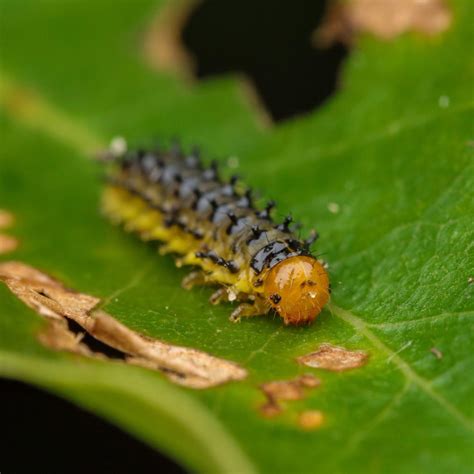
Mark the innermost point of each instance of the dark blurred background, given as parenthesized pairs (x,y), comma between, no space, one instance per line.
(271,44)
(46,434)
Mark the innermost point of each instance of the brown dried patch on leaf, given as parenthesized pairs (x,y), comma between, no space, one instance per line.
(385,19)
(311,420)
(7,243)
(183,365)
(309,381)
(285,390)
(51,299)
(162,46)
(270,409)
(336,359)
(6,219)
(289,389)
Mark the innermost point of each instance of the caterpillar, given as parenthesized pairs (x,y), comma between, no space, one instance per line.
(214,225)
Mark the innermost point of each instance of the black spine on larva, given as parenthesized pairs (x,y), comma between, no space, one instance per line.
(199,202)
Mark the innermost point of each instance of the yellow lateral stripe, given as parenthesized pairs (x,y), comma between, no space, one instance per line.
(134,214)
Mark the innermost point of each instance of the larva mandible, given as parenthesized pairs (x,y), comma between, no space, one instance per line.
(213,224)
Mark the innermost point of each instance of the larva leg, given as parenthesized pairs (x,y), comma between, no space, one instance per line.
(248,310)
(195,278)
(219,296)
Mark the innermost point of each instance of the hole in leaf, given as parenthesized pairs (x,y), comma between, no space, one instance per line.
(270,42)
(93,344)
(76,325)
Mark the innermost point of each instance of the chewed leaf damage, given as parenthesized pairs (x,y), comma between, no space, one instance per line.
(60,305)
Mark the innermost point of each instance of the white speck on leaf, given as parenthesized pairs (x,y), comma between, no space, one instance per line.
(118,146)
(333,207)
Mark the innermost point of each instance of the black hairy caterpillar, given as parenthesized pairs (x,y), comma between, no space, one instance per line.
(169,196)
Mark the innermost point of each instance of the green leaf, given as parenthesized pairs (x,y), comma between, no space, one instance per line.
(395,159)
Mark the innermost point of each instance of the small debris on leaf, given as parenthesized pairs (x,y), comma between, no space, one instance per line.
(117,147)
(285,390)
(311,419)
(7,243)
(437,353)
(336,359)
(470,280)
(50,298)
(385,19)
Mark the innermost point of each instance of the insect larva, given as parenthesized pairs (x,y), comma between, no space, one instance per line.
(214,225)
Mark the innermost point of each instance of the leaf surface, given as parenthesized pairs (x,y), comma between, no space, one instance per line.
(386,149)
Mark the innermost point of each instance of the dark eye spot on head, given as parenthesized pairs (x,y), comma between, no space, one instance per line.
(302,285)
(276,298)
(311,283)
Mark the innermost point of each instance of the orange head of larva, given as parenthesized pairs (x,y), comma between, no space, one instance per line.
(297,288)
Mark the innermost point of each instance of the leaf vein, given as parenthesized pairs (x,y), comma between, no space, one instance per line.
(433,318)
(362,328)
